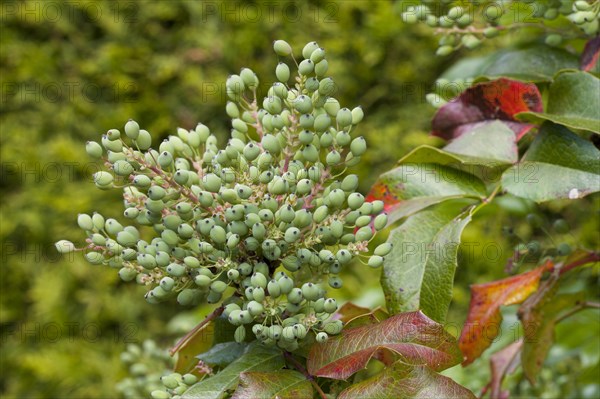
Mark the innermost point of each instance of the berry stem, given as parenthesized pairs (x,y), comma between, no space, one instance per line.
(215,313)
(301,369)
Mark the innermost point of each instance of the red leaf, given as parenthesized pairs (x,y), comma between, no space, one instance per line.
(590,55)
(499,99)
(483,321)
(417,339)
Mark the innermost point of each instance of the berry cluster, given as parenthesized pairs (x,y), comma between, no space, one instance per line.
(261,222)
(468,24)
(146,364)
(532,251)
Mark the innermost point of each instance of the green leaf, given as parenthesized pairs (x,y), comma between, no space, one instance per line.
(415,185)
(224,353)
(492,144)
(404,381)
(558,164)
(417,339)
(419,272)
(257,358)
(535,64)
(573,101)
(282,384)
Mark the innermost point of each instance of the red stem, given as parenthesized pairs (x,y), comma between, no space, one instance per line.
(591,257)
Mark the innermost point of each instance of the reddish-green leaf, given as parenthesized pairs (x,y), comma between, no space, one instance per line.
(353,316)
(413,336)
(591,53)
(503,363)
(282,384)
(405,381)
(485,102)
(539,314)
(484,318)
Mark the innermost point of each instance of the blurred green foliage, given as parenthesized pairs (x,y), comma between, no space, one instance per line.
(72,70)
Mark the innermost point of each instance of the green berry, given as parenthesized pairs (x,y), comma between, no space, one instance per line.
(240,334)
(330,305)
(309,48)
(103,179)
(534,220)
(306,67)
(333,327)
(322,337)
(564,249)
(189,379)
(132,129)
(310,291)
(444,50)
(282,48)
(375,261)
(383,249)
(93,149)
(282,72)
(64,247)
(561,226)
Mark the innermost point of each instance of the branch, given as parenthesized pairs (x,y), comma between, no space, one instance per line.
(589,258)
(215,313)
(581,306)
(301,369)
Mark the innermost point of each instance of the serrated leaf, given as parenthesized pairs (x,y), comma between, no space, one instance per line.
(485,102)
(257,358)
(417,340)
(404,381)
(413,186)
(484,317)
(223,353)
(573,101)
(558,164)
(419,272)
(534,64)
(590,56)
(282,384)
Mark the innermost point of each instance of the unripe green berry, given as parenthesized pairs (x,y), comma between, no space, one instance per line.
(93,149)
(132,129)
(357,115)
(564,249)
(240,334)
(322,337)
(103,179)
(330,305)
(333,327)
(143,141)
(306,67)
(249,77)
(375,261)
(444,50)
(274,289)
(282,48)
(344,117)
(310,291)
